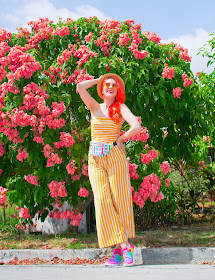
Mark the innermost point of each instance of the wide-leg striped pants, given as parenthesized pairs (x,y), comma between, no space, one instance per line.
(110,181)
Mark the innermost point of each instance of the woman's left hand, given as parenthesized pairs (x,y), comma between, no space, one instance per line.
(120,145)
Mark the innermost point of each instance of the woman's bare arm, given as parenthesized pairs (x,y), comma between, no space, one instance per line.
(88,100)
(132,120)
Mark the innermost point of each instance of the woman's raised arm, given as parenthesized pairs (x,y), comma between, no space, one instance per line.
(88,100)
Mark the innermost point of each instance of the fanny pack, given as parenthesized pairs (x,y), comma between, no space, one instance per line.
(100,149)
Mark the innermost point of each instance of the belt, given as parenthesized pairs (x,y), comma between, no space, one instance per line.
(100,149)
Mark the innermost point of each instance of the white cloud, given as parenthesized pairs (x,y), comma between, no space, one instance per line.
(33,10)
(193,42)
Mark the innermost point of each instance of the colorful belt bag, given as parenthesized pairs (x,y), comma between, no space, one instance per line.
(100,149)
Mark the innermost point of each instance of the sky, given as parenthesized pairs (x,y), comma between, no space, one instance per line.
(188,22)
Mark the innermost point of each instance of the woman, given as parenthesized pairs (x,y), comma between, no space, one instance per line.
(108,166)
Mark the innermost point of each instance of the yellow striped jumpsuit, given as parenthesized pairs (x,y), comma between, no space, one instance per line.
(110,181)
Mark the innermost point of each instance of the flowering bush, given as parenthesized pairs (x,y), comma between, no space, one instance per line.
(44,126)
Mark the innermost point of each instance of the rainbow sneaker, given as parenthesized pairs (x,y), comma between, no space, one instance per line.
(129,254)
(116,259)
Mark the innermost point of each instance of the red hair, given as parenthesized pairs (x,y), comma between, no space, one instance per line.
(114,109)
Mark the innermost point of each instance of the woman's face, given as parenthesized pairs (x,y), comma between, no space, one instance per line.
(109,88)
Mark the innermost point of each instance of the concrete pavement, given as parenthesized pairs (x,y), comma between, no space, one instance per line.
(100,272)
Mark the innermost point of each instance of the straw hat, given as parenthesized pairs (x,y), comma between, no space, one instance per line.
(105,76)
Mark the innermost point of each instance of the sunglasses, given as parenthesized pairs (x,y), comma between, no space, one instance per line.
(107,85)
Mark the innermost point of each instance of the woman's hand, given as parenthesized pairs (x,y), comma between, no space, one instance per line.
(120,145)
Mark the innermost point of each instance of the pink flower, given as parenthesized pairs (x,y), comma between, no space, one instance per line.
(57,189)
(152,36)
(187,82)
(71,168)
(184,55)
(177,92)
(147,158)
(83,192)
(165,167)
(22,154)
(123,39)
(3,197)
(168,72)
(1,171)
(32,179)
(88,37)
(141,136)
(24,213)
(206,139)
(62,31)
(167,182)
(2,150)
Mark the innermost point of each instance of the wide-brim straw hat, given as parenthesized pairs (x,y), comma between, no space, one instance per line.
(105,76)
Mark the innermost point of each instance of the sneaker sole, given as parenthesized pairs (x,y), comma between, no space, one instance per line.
(107,264)
(134,253)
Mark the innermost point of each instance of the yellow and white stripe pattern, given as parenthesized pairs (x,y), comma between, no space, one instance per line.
(110,181)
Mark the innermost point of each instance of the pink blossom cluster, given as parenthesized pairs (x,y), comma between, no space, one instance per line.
(53,72)
(177,92)
(83,53)
(1,171)
(134,44)
(57,189)
(62,31)
(202,164)
(39,24)
(21,64)
(23,32)
(53,158)
(32,179)
(2,149)
(129,21)
(43,31)
(141,136)
(187,82)
(88,37)
(67,139)
(4,35)
(168,72)
(24,213)
(72,214)
(84,170)
(110,26)
(149,188)
(165,168)
(184,55)
(152,36)
(103,43)
(133,170)
(150,156)
(2,73)
(205,139)
(3,197)
(39,139)
(123,39)
(81,75)
(83,192)
(167,182)
(71,168)
(12,134)
(22,154)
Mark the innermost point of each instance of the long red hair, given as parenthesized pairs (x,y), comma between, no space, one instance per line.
(114,109)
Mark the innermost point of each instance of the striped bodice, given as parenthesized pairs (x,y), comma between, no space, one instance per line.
(104,129)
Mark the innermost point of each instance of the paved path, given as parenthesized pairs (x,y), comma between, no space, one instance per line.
(147,272)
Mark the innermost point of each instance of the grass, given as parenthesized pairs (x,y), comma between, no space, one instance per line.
(198,236)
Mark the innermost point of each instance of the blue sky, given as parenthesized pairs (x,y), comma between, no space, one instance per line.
(188,22)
